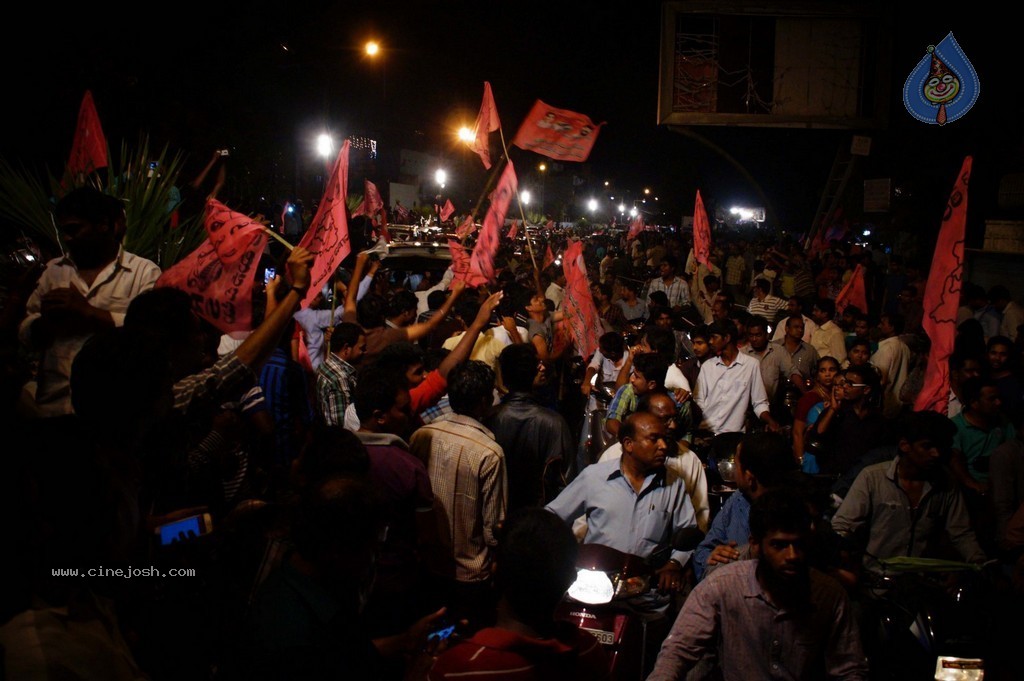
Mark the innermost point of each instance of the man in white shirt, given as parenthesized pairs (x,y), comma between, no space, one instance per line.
(556,290)
(891,359)
(729,384)
(1011,311)
(793,307)
(828,340)
(83,292)
(764,304)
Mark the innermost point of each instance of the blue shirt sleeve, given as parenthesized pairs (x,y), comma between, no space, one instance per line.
(717,534)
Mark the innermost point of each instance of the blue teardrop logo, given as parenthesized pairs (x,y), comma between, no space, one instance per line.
(943,86)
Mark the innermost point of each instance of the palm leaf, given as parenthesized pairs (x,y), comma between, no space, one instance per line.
(25,204)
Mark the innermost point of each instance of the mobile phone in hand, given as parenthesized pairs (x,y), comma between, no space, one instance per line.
(442,630)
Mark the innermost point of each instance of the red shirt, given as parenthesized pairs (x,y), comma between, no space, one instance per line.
(428,393)
(501,655)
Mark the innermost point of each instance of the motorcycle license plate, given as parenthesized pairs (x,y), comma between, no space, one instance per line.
(605,638)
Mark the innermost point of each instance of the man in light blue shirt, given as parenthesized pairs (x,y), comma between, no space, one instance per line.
(633,504)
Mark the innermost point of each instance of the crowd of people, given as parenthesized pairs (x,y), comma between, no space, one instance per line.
(313,498)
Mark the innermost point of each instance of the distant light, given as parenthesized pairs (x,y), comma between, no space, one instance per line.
(291,209)
(524,196)
(417,243)
(742,213)
(466,135)
(440,176)
(542,167)
(284,47)
(646,190)
(436,244)
(632,212)
(592,205)
(622,208)
(324,145)
(606,183)
(867,232)
(372,48)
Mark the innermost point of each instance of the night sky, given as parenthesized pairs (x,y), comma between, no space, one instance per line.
(264,77)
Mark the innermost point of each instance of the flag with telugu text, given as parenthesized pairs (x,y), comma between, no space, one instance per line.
(460,265)
(467,227)
(89,147)
(854,292)
(942,297)
(218,276)
(327,237)
(701,233)
(578,304)
(481,262)
(557,133)
(486,122)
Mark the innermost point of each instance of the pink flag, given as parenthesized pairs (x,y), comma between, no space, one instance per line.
(635,227)
(701,233)
(218,275)
(327,236)
(513,231)
(89,147)
(460,262)
(557,133)
(371,203)
(549,258)
(466,228)
(481,263)
(578,305)
(854,292)
(447,210)
(486,122)
(942,297)
(401,212)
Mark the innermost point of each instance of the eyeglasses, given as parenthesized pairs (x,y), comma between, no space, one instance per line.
(843,384)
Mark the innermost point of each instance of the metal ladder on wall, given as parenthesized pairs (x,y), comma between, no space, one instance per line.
(838,179)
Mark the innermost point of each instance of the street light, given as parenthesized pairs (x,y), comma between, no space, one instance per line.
(372,48)
(466,135)
(524,196)
(592,205)
(542,168)
(324,145)
(440,177)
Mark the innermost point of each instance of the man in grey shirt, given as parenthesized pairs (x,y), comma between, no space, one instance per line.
(780,618)
(901,505)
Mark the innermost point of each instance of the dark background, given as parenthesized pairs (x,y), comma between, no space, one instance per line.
(264,78)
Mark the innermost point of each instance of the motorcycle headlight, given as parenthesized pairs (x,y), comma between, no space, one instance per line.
(592,586)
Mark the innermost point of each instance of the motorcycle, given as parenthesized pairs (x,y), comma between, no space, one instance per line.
(603,601)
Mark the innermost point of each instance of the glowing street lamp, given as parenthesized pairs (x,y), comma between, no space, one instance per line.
(324,145)
(440,177)
(524,196)
(372,48)
(465,134)
(632,212)
(622,208)
(592,205)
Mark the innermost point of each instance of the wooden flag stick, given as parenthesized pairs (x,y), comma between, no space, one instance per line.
(279,238)
(522,213)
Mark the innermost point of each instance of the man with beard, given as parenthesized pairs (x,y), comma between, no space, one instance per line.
(85,291)
(779,617)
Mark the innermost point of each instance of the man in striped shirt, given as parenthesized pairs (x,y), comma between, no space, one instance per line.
(764,304)
(676,289)
(335,378)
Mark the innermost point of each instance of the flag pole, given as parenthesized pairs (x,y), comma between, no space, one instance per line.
(488,186)
(522,214)
(279,238)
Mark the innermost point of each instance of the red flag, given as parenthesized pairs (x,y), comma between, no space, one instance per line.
(557,133)
(371,203)
(578,305)
(854,292)
(89,147)
(942,297)
(460,263)
(549,258)
(327,236)
(486,122)
(466,228)
(635,227)
(401,212)
(481,263)
(447,210)
(218,275)
(513,231)
(701,233)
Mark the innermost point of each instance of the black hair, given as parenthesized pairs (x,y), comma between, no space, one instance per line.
(700,331)
(763,285)
(377,387)
(999,292)
(332,451)
(861,341)
(659,298)
(654,366)
(400,356)
(372,310)
(767,455)
(345,335)
(757,321)
(610,342)
(518,364)
(897,321)
(536,563)
(827,306)
(630,284)
(402,302)
(163,313)
(469,384)
(999,340)
(660,339)
(972,387)
(467,308)
(778,510)
(90,204)
(868,376)
(928,425)
(336,515)
(435,299)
